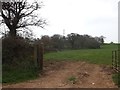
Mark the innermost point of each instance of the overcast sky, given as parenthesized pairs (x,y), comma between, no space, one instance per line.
(92,17)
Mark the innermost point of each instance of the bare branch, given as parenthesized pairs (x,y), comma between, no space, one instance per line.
(30,9)
(20,15)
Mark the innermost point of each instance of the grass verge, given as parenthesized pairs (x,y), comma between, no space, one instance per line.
(19,73)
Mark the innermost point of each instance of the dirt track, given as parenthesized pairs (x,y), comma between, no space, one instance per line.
(58,74)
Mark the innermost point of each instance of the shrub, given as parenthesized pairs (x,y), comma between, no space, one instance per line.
(14,49)
(18,64)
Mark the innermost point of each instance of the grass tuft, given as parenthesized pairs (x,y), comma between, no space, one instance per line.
(72,79)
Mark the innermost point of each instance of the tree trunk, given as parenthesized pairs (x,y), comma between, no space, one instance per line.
(13,32)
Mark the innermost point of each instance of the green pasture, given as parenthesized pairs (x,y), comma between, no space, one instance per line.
(97,56)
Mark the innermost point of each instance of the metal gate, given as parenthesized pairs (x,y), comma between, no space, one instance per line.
(116,60)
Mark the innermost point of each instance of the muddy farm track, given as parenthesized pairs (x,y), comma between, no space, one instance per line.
(70,74)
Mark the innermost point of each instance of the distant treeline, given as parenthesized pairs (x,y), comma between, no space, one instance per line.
(20,47)
(71,41)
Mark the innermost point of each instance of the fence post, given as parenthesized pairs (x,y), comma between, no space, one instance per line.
(41,48)
(35,55)
(38,55)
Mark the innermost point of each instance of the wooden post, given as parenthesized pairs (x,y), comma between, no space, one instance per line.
(41,56)
(38,55)
(35,55)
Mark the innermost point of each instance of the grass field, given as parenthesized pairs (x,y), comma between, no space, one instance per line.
(97,56)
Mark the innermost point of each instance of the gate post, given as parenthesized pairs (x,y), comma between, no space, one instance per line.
(38,55)
(41,55)
(35,55)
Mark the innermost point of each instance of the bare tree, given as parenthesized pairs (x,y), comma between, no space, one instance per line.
(20,14)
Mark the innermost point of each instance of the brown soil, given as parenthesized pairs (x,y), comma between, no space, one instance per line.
(70,74)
